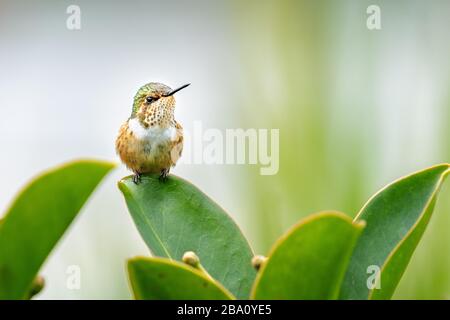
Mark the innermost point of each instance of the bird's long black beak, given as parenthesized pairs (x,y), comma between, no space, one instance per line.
(171,93)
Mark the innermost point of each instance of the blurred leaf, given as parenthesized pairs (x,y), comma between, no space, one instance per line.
(396,219)
(309,262)
(174,217)
(164,279)
(38,218)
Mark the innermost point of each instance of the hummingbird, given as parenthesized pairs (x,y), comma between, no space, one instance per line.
(151,140)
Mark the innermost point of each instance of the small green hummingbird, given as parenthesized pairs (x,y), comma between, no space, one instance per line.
(151,140)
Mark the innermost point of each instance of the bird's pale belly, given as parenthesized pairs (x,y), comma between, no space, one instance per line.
(146,157)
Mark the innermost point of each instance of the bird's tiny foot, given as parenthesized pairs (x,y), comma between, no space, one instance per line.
(137,178)
(163,175)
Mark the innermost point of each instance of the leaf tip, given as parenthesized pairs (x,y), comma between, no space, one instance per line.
(134,260)
(122,183)
(360,224)
(133,264)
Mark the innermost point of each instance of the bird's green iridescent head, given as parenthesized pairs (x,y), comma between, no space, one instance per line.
(152,92)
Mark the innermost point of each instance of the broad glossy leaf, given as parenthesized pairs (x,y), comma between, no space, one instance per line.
(38,218)
(396,218)
(164,279)
(174,217)
(309,262)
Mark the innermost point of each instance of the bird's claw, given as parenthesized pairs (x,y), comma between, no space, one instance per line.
(137,178)
(163,175)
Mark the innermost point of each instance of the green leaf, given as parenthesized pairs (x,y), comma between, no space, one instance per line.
(396,218)
(174,217)
(164,279)
(38,218)
(309,262)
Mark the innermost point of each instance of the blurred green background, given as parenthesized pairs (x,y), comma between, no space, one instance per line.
(356,109)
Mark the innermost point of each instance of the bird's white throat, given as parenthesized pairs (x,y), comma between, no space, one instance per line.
(154,134)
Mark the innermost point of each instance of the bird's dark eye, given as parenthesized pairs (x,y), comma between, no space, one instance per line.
(149,99)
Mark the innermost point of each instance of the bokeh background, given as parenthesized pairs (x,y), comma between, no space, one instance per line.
(356,109)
